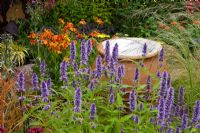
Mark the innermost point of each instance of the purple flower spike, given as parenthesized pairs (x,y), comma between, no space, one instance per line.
(141,106)
(43,67)
(161,55)
(132,100)
(169,102)
(196,113)
(181,96)
(136,119)
(148,87)
(136,77)
(178,130)
(72,52)
(76,67)
(84,57)
(169,130)
(197,126)
(92,85)
(92,111)
(99,67)
(168,84)
(107,51)
(115,53)
(77,100)
(158,74)
(63,67)
(161,111)
(22,98)
(46,107)
(20,82)
(144,50)
(121,131)
(44,91)
(49,83)
(163,90)
(112,67)
(184,121)
(112,98)
(89,47)
(35,81)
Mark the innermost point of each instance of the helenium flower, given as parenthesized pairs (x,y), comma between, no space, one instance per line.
(77,100)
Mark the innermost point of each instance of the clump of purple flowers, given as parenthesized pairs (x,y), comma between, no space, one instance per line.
(92,111)
(44,92)
(35,81)
(132,100)
(72,52)
(20,82)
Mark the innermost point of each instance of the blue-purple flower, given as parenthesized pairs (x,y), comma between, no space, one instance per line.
(144,50)
(63,67)
(112,98)
(132,100)
(148,87)
(161,111)
(91,86)
(178,130)
(161,55)
(92,111)
(99,67)
(44,92)
(196,113)
(35,81)
(169,101)
(184,124)
(136,119)
(163,90)
(136,76)
(107,51)
(77,100)
(115,53)
(89,47)
(20,82)
(43,67)
(181,96)
(72,52)
(84,55)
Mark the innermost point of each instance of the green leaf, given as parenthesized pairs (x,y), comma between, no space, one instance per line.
(119,100)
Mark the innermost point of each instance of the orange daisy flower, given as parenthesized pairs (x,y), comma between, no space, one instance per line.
(82,22)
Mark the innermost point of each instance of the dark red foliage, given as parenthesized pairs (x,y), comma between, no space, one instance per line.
(36,130)
(2,130)
(193,6)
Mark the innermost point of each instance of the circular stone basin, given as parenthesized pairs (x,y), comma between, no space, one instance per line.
(131,47)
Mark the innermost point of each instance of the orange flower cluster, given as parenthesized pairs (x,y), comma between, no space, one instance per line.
(56,43)
(99,21)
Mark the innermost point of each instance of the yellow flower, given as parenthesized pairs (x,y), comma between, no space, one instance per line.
(82,22)
(66,59)
(103,36)
(61,21)
(99,21)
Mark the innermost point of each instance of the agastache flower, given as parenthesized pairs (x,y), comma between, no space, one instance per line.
(107,51)
(112,98)
(92,111)
(158,74)
(196,113)
(169,101)
(132,100)
(20,82)
(181,96)
(63,67)
(77,100)
(178,130)
(169,130)
(72,52)
(162,92)
(89,47)
(44,91)
(91,85)
(43,67)
(161,111)
(136,76)
(112,67)
(35,81)
(184,121)
(144,50)
(49,83)
(84,57)
(99,66)
(136,119)
(161,55)
(168,84)
(76,68)
(148,87)
(115,53)
(46,107)
(141,106)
